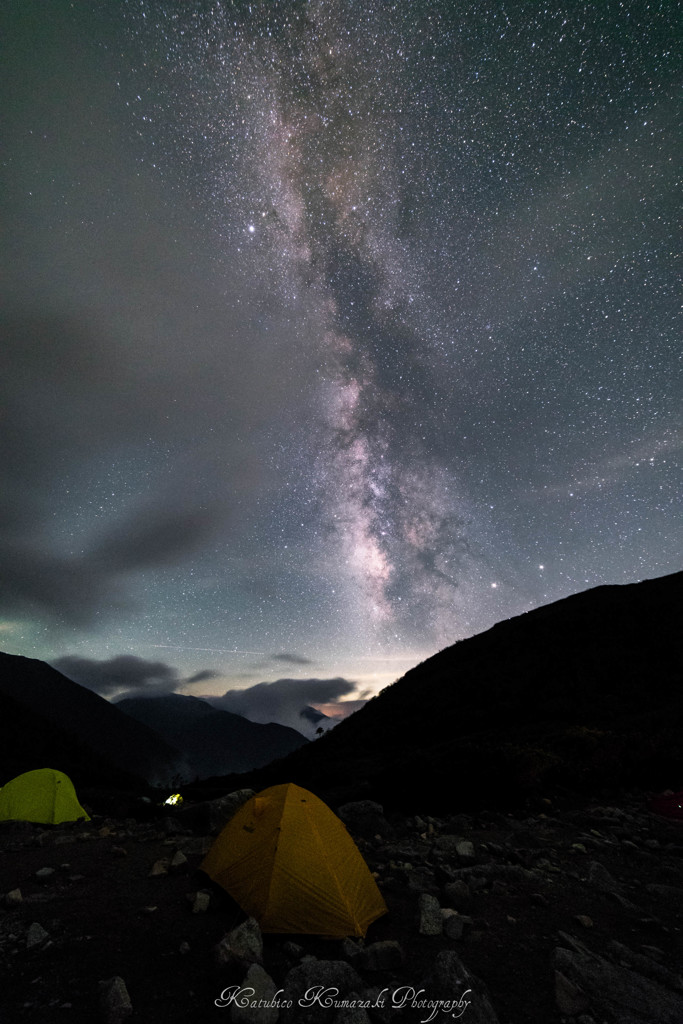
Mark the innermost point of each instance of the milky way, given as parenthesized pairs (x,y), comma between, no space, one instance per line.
(428,373)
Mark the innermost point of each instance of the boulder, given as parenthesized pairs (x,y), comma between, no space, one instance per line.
(243,945)
(458,894)
(259,1004)
(380,956)
(600,878)
(315,989)
(115,1001)
(212,815)
(616,993)
(36,935)
(450,980)
(430,919)
(365,818)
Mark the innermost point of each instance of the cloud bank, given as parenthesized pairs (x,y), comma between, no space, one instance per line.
(285,700)
(136,676)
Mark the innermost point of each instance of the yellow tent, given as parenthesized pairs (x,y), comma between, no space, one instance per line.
(44,795)
(288,861)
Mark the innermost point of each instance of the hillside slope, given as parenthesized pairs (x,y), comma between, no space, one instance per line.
(212,741)
(582,693)
(50,721)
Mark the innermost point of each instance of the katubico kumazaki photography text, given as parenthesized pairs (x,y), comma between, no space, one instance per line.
(405,997)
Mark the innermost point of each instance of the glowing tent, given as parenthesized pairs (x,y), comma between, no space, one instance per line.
(288,861)
(44,795)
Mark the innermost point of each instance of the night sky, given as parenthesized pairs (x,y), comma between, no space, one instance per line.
(334,332)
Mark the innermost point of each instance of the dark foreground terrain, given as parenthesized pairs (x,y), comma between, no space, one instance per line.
(570,913)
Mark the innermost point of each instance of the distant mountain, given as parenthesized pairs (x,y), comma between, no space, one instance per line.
(316,719)
(214,742)
(48,721)
(584,693)
(313,715)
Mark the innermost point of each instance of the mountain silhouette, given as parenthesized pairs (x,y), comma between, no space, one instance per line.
(576,695)
(48,721)
(212,741)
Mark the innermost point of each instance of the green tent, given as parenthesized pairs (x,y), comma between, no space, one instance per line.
(44,795)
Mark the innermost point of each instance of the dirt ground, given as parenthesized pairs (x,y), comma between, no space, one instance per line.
(106,916)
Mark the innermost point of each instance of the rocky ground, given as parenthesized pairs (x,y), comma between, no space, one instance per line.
(571,914)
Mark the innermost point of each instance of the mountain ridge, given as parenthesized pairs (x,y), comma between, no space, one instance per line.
(582,693)
(210,737)
(92,738)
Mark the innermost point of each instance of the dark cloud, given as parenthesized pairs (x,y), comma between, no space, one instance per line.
(200,677)
(76,588)
(284,700)
(292,659)
(126,671)
(154,537)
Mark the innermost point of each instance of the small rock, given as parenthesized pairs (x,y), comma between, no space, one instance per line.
(477,882)
(179,862)
(568,996)
(243,944)
(454,925)
(119,851)
(447,845)
(352,1015)
(293,950)
(584,920)
(160,867)
(465,851)
(200,903)
(262,991)
(458,894)
(170,827)
(600,878)
(184,948)
(673,892)
(386,955)
(422,880)
(115,1001)
(350,948)
(13,898)
(36,935)
(430,920)
(654,952)
(44,873)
